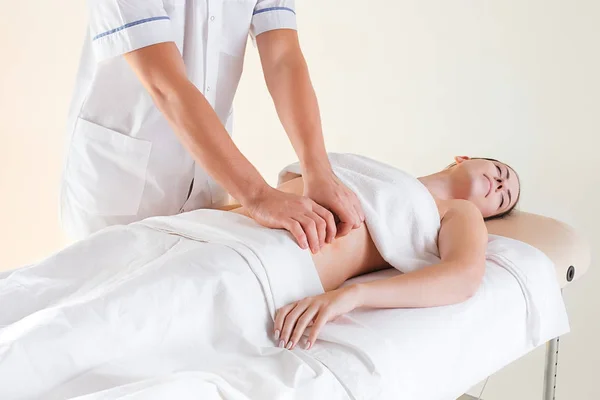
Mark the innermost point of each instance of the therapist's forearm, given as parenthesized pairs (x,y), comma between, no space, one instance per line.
(432,286)
(205,137)
(290,86)
(162,72)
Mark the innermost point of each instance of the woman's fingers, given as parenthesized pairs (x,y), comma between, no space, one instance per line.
(280,319)
(290,323)
(292,320)
(302,323)
(322,318)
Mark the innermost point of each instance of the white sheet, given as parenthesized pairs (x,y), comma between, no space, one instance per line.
(162,315)
(147,313)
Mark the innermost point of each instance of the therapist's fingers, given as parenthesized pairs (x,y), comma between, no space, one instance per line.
(359,210)
(343,229)
(321,227)
(309,226)
(330,228)
(361,215)
(297,231)
(350,214)
(349,218)
(302,323)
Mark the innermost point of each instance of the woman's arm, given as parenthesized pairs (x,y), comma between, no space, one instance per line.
(462,243)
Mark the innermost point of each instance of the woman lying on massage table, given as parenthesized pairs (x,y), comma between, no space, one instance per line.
(467,193)
(205,291)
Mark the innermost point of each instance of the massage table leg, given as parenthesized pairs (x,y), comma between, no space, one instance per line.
(551,369)
(550,372)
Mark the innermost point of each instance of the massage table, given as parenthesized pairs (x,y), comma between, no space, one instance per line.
(413,348)
(570,254)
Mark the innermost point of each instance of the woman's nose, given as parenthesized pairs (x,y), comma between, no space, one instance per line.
(499,183)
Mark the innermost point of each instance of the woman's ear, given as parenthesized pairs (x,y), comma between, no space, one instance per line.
(460,159)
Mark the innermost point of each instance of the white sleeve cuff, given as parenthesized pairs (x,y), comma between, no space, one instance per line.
(132,36)
(274,18)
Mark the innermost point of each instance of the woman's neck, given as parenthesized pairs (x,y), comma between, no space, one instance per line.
(439,185)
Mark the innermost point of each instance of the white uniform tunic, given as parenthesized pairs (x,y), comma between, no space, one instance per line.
(124,162)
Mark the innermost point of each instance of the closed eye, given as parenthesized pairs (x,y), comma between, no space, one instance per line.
(501,202)
(499,170)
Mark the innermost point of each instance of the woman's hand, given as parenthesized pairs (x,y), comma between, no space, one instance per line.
(292,320)
(327,190)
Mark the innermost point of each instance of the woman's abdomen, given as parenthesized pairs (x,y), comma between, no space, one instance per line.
(352,255)
(349,256)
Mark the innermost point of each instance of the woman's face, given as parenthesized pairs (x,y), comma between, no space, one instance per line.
(492,186)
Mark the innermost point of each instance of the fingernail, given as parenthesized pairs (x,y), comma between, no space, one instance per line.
(289,345)
(307,345)
(277,334)
(281,343)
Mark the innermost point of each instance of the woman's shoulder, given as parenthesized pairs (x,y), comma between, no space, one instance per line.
(448,208)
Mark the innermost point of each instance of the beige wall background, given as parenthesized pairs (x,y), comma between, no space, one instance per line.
(409,82)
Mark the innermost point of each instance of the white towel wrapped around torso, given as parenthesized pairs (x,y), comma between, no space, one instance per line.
(400,213)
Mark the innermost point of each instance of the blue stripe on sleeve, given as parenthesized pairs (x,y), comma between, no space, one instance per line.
(273,9)
(129,25)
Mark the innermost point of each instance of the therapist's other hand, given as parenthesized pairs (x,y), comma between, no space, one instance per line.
(307,221)
(327,190)
(292,320)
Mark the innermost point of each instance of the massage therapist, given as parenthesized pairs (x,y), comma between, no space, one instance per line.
(151,115)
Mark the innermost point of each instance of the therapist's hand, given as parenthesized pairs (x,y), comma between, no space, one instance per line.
(327,190)
(293,319)
(309,223)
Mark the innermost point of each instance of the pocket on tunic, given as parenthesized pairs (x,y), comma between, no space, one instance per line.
(106,170)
